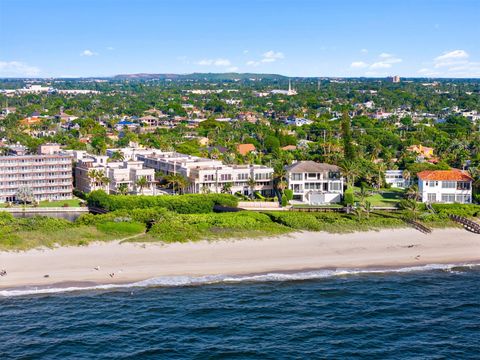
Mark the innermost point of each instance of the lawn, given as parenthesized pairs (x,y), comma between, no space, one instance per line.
(61,203)
(383,197)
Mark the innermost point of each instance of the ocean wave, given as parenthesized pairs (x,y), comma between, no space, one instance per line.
(178,281)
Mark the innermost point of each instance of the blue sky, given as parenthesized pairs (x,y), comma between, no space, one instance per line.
(69,38)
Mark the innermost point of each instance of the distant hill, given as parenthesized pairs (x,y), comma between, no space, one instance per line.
(200,76)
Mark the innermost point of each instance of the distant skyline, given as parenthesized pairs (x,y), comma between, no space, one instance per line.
(344,38)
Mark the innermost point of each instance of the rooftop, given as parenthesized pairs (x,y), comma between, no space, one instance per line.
(448,175)
(310,167)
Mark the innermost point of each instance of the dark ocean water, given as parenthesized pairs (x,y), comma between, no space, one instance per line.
(429,314)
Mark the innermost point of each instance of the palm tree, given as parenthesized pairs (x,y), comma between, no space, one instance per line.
(177,181)
(251,184)
(279,180)
(350,170)
(142,183)
(406,176)
(412,206)
(413,193)
(227,188)
(117,156)
(123,189)
(99,178)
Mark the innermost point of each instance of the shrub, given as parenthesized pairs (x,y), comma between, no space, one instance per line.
(465,210)
(121,228)
(284,201)
(288,193)
(349,196)
(182,204)
(192,227)
(295,220)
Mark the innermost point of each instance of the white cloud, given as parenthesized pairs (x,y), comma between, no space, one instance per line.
(358,65)
(271,56)
(17,68)
(233,68)
(383,61)
(267,57)
(215,62)
(245,51)
(380,65)
(364,51)
(427,72)
(88,52)
(110,48)
(455,63)
(253,63)
(451,58)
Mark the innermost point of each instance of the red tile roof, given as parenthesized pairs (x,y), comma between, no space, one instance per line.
(244,149)
(449,175)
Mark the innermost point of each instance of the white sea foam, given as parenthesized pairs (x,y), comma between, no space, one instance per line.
(175,281)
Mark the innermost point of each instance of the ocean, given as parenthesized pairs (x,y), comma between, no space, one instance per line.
(430,312)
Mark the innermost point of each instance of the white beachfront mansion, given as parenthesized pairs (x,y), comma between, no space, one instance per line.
(315,183)
(445,186)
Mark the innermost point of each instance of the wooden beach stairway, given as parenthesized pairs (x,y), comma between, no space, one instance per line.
(417,226)
(469,225)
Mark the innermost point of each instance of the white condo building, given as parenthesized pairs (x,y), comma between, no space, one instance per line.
(207,175)
(127,172)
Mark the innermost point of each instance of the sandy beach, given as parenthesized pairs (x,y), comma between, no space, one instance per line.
(129,262)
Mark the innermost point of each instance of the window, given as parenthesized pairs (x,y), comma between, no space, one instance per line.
(209,177)
(312,175)
(433,183)
(463,199)
(335,186)
(243,176)
(449,184)
(432,197)
(463,185)
(448,198)
(225,177)
(297,177)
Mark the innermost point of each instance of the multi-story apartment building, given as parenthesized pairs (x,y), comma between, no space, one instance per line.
(445,186)
(46,176)
(96,172)
(315,183)
(207,175)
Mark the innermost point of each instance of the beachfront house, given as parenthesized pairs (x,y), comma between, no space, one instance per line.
(315,183)
(445,186)
(396,179)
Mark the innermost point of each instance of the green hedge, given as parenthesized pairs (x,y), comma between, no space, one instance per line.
(465,210)
(190,227)
(182,204)
(349,196)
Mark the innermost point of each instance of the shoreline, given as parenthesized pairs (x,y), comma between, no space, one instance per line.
(292,253)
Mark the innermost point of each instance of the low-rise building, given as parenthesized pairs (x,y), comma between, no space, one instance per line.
(98,173)
(315,183)
(445,186)
(396,179)
(208,175)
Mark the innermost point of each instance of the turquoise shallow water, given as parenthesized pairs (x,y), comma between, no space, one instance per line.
(430,313)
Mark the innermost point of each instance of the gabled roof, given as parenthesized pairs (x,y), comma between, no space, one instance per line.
(448,175)
(310,167)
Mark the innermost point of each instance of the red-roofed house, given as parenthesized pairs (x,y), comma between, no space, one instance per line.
(244,149)
(445,186)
